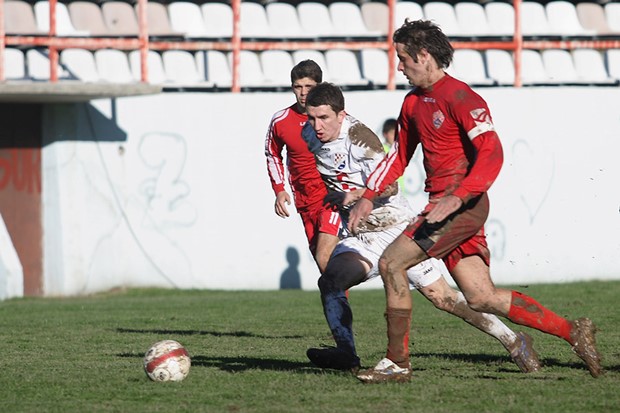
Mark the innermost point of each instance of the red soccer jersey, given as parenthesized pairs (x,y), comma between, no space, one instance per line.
(305,181)
(462,152)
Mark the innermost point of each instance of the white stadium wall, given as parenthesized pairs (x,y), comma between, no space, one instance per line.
(171,190)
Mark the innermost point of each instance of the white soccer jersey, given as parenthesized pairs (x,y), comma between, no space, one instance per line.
(345,164)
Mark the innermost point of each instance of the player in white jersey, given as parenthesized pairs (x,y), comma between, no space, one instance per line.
(346,154)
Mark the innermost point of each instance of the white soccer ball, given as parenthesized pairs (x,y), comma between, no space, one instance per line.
(167,360)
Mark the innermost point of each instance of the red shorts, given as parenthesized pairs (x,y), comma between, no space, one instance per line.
(320,219)
(460,235)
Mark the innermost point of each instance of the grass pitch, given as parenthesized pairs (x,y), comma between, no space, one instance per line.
(248,355)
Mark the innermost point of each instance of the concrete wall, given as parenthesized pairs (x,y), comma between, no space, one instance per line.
(171,190)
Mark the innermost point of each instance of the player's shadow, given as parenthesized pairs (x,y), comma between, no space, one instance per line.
(171,332)
(290,278)
(240,364)
(499,360)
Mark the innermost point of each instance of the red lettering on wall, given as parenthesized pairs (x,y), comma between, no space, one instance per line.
(20,169)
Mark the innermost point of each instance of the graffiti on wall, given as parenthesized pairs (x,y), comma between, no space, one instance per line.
(20,170)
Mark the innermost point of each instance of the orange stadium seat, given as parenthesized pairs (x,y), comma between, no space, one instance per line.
(375,15)
(592,17)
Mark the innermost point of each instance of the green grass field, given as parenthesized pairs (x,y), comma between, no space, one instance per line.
(248,355)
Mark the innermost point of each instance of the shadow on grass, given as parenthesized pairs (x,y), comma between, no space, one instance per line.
(494,359)
(203,333)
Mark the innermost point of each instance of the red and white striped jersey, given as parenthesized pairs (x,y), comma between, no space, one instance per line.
(305,181)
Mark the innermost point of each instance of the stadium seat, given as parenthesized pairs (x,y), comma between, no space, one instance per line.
(407,10)
(158,20)
(155,74)
(375,66)
(250,70)
(444,15)
(64,26)
(186,18)
(14,64)
(113,66)
(532,68)
(218,19)
(315,20)
(592,17)
(344,69)
(559,66)
(501,18)
(19,18)
(317,56)
(468,66)
(79,64)
(38,65)
(181,68)
(534,20)
(612,58)
(348,21)
(500,66)
(276,65)
(375,15)
(563,19)
(120,18)
(612,13)
(87,16)
(213,66)
(284,21)
(590,67)
(472,19)
(253,21)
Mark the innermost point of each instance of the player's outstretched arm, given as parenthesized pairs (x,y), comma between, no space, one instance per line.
(282,200)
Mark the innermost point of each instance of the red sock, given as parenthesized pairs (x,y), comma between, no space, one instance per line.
(399,324)
(526,311)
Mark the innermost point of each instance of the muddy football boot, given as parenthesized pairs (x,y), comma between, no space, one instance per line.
(524,355)
(584,344)
(385,371)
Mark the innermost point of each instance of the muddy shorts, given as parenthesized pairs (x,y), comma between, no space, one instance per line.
(458,236)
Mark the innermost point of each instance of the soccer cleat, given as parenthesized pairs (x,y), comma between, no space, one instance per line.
(386,370)
(524,355)
(584,344)
(333,358)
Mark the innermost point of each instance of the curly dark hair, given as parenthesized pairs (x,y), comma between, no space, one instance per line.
(424,34)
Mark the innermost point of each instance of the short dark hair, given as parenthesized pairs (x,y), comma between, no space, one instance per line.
(326,94)
(389,125)
(424,34)
(307,68)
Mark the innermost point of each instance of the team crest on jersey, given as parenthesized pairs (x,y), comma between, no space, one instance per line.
(438,118)
(340,160)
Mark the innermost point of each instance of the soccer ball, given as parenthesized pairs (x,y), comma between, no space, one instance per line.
(167,360)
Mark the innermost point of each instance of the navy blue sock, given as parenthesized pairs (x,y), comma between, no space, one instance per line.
(340,319)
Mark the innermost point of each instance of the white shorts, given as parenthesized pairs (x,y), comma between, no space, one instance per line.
(371,245)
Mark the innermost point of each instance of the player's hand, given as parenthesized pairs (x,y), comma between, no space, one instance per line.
(282,200)
(442,210)
(334,200)
(353,196)
(359,213)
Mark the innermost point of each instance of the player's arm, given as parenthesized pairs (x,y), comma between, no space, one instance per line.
(275,169)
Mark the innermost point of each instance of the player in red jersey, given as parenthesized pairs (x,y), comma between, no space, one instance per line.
(462,157)
(321,224)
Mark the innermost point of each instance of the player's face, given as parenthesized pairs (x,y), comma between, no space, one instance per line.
(325,122)
(417,73)
(301,87)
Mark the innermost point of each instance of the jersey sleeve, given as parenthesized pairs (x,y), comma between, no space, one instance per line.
(273,152)
(393,165)
(474,116)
